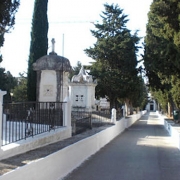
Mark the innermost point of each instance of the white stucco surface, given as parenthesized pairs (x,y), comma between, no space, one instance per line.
(48,86)
(82,94)
(34,142)
(59,164)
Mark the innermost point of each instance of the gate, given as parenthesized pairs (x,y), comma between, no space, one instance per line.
(83,119)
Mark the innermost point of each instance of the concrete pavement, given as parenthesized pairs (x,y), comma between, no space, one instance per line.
(145,151)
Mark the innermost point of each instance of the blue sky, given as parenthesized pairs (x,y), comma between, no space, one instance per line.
(70,23)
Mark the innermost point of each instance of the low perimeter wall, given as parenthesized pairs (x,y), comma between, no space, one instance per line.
(34,142)
(59,164)
(174,132)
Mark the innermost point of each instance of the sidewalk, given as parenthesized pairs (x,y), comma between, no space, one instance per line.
(143,152)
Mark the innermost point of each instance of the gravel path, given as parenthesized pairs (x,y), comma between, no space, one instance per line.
(14,162)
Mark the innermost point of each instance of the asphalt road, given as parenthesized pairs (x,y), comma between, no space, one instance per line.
(143,152)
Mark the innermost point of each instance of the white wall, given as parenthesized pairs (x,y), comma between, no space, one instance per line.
(59,164)
(39,140)
(84,90)
(34,142)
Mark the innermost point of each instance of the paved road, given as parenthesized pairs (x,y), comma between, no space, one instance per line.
(143,152)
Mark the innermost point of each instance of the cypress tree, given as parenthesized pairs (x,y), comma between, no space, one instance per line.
(115,55)
(39,43)
(162,51)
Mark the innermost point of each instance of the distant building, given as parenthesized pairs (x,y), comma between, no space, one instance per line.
(152,105)
(82,91)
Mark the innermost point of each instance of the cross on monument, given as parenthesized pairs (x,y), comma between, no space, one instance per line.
(53,45)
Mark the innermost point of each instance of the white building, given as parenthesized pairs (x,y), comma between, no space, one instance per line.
(152,105)
(82,91)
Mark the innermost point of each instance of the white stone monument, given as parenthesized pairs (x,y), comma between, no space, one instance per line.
(82,91)
(52,77)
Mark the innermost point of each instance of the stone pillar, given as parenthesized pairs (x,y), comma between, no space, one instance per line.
(38,85)
(113,116)
(67,112)
(2,93)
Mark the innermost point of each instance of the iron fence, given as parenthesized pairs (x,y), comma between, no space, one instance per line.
(83,119)
(100,118)
(27,119)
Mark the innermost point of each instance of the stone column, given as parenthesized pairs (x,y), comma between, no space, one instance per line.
(38,84)
(113,116)
(2,93)
(67,112)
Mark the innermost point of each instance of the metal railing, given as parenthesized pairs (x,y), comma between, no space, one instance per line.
(83,119)
(100,118)
(27,119)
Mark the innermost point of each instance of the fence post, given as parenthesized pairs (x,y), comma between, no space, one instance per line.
(113,116)
(2,93)
(67,112)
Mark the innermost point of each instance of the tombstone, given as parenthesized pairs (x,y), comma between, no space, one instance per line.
(82,91)
(52,77)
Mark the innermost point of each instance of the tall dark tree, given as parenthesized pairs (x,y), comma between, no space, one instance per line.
(39,43)
(114,54)
(8,8)
(162,50)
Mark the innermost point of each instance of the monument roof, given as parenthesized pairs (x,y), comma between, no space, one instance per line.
(52,62)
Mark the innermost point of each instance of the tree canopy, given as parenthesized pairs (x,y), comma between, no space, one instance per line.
(8,8)
(20,91)
(7,83)
(162,49)
(115,56)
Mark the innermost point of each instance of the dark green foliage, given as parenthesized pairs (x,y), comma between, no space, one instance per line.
(20,91)
(2,79)
(167,14)
(7,83)
(162,97)
(115,55)
(8,8)
(39,43)
(162,50)
(175,81)
(139,95)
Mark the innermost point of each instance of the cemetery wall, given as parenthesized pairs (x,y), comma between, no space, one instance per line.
(59,164)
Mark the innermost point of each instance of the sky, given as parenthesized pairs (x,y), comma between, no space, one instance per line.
(70,22)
